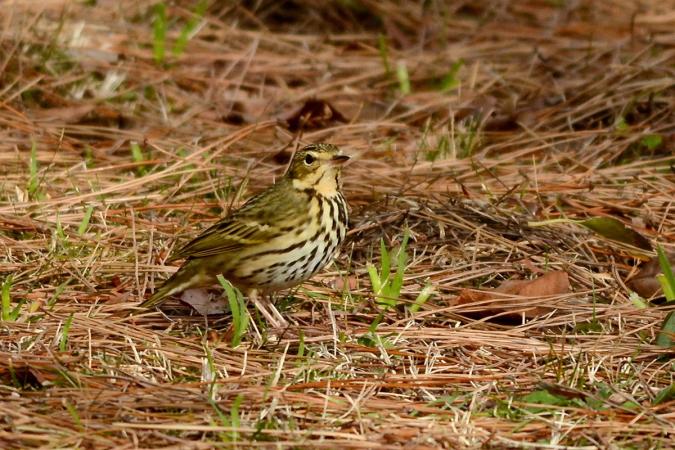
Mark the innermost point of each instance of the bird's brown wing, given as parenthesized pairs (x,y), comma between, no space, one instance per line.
(254,223)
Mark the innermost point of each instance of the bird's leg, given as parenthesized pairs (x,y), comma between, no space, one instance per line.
(281,320)
(264,307)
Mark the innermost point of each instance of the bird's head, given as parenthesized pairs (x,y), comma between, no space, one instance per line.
(317,167)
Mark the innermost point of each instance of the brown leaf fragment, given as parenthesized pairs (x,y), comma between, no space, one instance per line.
(84,114)
(29,372)
(404,434)
(314,114)
(549,284)
(204,302)
(65,114)
(21,223)
(645,282)
(339,283)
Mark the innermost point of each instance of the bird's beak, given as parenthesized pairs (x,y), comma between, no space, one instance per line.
(338,160)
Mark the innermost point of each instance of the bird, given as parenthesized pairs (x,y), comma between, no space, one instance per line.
(275,240)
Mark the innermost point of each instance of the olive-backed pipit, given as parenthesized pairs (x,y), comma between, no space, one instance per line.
(277,239)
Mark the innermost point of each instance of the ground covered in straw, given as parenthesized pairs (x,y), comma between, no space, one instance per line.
(127,127)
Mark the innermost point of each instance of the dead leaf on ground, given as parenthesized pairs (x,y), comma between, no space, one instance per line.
(314,114)
(25,376)
(339,283)
(403,434)
(645,282)
(87,114)
(549,284)
(21,223)
(205,303)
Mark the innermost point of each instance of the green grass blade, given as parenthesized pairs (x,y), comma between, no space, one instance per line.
(14,315)
(665,395)
(243,316)
(450,80)
(159,27)
(57,293)
(666,287)
(615,230)
(33,181)
(189,28)
(373,325)
(136,152)
(384,53)
(652,141)
(60,234)
(422,298)
(6,298)
(138,157)
(385,262)
(668,283)
(63,341)
(301,346)
(234,416)
(85,221)
(403,78)
(72,410)
(667,280)
(401,262)
(375,279)
(638,301)
(223,420)
(665,337)
(211,375)
(240,317)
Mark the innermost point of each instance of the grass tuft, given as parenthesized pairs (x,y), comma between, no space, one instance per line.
(159,28)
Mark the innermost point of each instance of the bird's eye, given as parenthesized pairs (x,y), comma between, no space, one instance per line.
(309,159)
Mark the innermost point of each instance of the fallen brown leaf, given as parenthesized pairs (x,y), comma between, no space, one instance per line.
(398,435)
(314,114)
(204,302)
(645,282)
(551,283)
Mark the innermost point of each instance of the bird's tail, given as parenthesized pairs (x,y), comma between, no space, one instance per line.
(159,296)
(179,281)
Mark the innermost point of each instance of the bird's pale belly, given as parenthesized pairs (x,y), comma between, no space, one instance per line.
(293,259)
(279,271)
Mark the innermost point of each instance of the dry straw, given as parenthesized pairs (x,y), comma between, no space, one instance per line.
(112,153)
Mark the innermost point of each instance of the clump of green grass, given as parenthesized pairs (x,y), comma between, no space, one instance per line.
(138,156)
(160,25)
(233,421)
(451,80)
(387,284)
(8,313)
(188,30)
